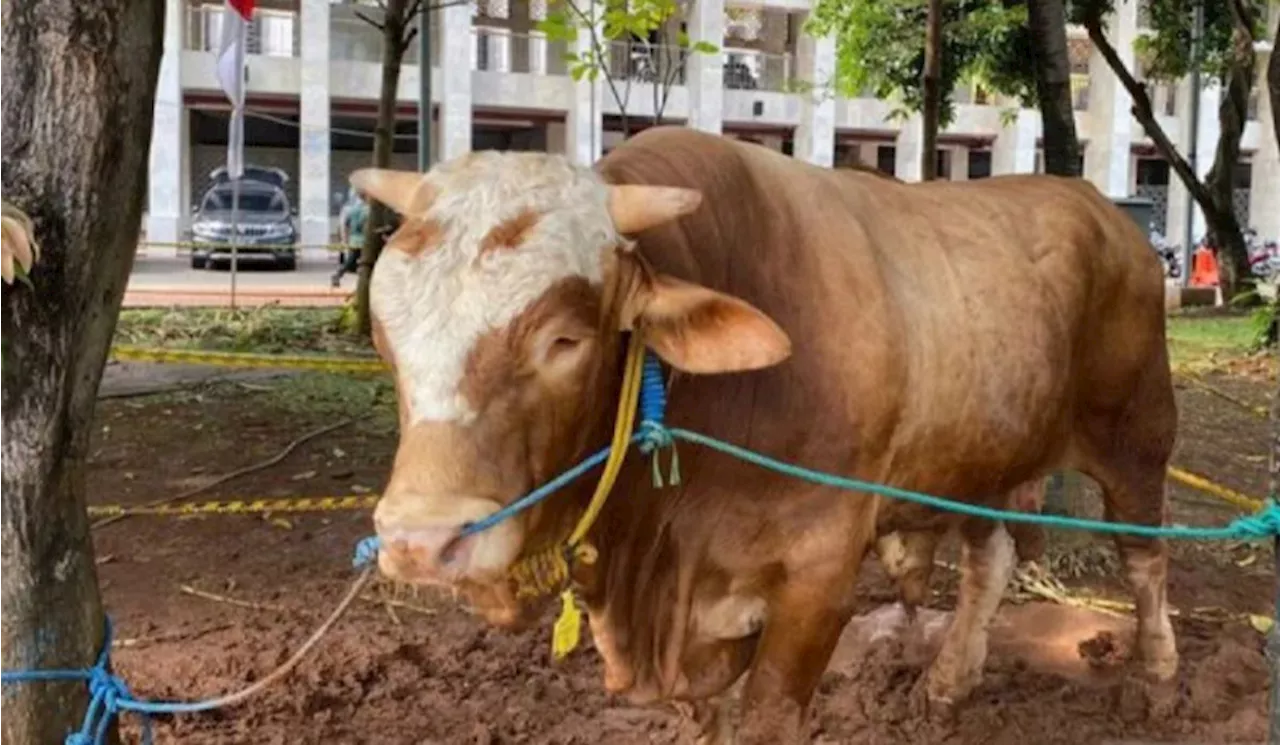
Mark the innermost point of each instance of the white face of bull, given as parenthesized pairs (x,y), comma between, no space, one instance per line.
(499,303)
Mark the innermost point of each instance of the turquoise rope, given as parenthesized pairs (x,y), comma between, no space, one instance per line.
(1262,524)
(653,435)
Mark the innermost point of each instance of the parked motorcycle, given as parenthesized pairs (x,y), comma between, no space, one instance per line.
(1170,254)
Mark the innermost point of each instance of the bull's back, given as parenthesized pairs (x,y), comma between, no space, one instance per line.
(939,330)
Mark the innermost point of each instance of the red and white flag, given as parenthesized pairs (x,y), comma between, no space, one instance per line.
(236,17)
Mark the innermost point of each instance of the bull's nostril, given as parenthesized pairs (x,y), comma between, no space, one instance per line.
(449,551)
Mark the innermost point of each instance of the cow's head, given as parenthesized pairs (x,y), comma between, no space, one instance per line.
(500,304)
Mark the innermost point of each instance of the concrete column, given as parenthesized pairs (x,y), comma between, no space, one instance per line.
(168,180)
(499,36)
(705,72)
(313,170)
(816,136)
(456,58)
(907,149)
(1106,161)
(1264,197)
(960,164)
(537,39)
(1206,144)
(584,122)
(500,50)
(1014,150)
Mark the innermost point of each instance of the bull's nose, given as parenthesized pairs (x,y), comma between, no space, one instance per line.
(422,540)
(426,552)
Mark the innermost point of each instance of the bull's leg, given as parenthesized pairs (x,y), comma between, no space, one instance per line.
(1146,566)
(907,557)
(1127,453)
(985,568)
(796,645)
(714,720)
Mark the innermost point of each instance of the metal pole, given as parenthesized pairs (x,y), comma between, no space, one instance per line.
(235,235)
(1197,32)
(424,88)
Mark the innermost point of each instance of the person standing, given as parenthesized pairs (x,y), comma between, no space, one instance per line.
(351,227)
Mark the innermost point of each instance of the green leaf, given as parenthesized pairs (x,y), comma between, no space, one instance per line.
(705,47)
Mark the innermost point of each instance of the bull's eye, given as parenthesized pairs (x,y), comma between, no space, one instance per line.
(563,345)
(561,351)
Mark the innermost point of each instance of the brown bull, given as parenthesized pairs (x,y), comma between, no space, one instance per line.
(961,340)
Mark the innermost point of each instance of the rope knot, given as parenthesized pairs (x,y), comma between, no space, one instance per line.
(654,436)
(1261,524)
(366,552)
(108,688)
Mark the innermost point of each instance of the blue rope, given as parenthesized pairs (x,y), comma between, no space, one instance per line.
(108,694)
(652,434)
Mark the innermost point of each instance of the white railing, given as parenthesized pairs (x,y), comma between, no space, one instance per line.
(657,64)
(500,49)
(272,33)
(749,69)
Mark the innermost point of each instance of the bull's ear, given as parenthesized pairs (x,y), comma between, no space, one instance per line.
(699,330)
(407,192)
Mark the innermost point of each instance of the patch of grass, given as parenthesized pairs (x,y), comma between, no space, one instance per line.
(1203,341)
(335,396)
(267,330)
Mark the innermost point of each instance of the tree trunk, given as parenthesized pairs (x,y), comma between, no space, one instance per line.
(80,80)
(394,42)
(1273,81)
(1224,229)
(930,82)
(1222,223)
(1047,20)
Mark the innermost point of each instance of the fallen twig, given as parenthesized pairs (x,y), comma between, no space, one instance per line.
(189,590)
(277,458)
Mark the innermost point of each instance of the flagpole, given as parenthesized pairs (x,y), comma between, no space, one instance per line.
(237,15)
(235,232)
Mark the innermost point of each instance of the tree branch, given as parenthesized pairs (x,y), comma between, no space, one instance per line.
(598,49)
(370,21)
(449,4)
(410,34)
(1142,111)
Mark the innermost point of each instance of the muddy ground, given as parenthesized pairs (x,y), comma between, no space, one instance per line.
(203,605)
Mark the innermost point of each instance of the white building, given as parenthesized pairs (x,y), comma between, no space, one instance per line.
(314,76)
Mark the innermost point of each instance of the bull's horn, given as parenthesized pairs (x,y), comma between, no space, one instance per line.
(407,192)
(635,208)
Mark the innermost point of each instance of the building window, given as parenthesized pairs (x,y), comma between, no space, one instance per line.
(887,159)
(942,164)
(979,164)
(1242,175)
(1152,172)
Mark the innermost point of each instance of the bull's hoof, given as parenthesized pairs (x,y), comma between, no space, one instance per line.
(946,687)
(1159,666)
(1139,700)
(939,711)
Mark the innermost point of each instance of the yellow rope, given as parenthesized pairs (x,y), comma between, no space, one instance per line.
(542,572)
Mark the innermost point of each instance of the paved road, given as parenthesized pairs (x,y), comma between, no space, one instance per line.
(163,278)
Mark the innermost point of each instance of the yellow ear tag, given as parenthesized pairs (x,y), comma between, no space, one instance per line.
(568,629)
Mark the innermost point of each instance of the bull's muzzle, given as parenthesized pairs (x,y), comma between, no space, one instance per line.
(422,541)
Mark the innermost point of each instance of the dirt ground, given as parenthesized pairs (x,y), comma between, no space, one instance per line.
(204,605)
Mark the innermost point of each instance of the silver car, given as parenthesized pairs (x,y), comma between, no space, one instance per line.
(265,230)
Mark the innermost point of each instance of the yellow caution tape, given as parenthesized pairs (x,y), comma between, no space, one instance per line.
(1226,494)
(239,507)
(245,359)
